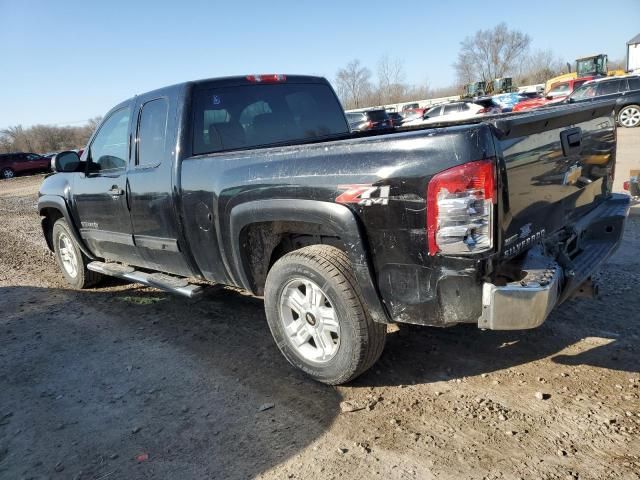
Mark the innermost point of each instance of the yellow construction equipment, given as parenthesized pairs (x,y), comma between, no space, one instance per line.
(591,66)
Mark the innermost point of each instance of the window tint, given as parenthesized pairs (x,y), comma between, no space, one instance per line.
(634,83)
(247,116)
(32,156)
(109,149)
(152,132)
(608,88)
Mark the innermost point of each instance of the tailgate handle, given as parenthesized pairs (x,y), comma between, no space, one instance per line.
(571,140)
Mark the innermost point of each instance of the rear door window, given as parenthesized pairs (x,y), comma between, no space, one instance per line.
(152,132)
(247,116)
(634,83)
(609,88)
(449,109)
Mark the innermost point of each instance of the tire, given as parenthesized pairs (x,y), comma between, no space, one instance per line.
(335,339)
(7,173)
(70,259)
(629,116)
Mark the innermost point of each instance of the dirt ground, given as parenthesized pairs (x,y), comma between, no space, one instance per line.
(124,382)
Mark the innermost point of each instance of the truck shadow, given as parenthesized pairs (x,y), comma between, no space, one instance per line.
(93,379)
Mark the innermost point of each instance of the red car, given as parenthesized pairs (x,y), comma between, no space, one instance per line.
(13,163)
(558,93)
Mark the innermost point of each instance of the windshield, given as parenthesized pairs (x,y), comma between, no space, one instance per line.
(559,90)
(591,66)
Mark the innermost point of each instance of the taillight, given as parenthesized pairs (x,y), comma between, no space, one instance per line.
(460,209)
(370,124)
(483,110)
(626,185)
(267,78)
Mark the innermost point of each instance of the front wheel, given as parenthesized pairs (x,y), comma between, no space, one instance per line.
(7,173)
(317,316)
(629,116)
(70,258)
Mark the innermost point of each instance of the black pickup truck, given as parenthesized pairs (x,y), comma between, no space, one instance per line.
(257,182)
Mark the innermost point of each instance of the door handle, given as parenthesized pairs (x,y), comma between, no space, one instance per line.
(116,191)
(571,141)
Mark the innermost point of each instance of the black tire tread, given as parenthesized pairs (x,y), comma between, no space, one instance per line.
(371,335)
(89,277)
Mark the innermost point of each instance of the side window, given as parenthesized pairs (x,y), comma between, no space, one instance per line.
(109,150)
(449,109)
(608,88)
(152,133)
(584,92)
(32,156)
(634,83)
(434,112)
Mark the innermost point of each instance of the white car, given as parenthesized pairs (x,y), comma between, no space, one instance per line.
(448,112)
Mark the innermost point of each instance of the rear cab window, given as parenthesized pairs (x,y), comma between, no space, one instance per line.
(248,116)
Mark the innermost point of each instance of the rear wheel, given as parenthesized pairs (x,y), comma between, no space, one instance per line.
(70,258)
(317,316)
(629,116)
(7,173)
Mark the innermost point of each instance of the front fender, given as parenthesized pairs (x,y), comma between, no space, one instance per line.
(59,204)
(335,218)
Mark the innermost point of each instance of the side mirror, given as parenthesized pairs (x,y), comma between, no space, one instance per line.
(549,97)
(65,162)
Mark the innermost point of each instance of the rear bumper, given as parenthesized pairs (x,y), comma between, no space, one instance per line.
(527,303)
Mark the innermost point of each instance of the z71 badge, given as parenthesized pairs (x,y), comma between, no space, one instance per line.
(365,195)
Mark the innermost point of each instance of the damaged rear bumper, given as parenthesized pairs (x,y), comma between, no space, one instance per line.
(526,303)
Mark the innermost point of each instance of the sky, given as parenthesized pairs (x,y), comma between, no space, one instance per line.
(63,62)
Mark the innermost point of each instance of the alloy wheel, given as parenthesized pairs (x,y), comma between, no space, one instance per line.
(310,320)
(630,117)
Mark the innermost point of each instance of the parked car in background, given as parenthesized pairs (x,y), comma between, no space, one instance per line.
(557,94)
(447,112)
(624,90)
(396,118)
(409,115)
(369,120)
(12,164)
(410,106)
(488,104)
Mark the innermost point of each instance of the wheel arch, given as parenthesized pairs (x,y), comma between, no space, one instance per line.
(269,221)
(51,208)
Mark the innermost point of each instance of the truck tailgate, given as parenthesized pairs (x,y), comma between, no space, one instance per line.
(557,164)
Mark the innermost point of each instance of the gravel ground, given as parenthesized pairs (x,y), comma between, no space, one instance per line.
(124,381)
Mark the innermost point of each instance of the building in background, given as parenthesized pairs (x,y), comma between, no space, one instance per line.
(633,54)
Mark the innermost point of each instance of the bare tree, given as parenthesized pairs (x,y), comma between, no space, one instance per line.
(491,54)
(391,87)
(539,67)
(353,83)
(46,138)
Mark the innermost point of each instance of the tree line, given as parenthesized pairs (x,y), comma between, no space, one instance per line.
(46,138)
(488,54)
